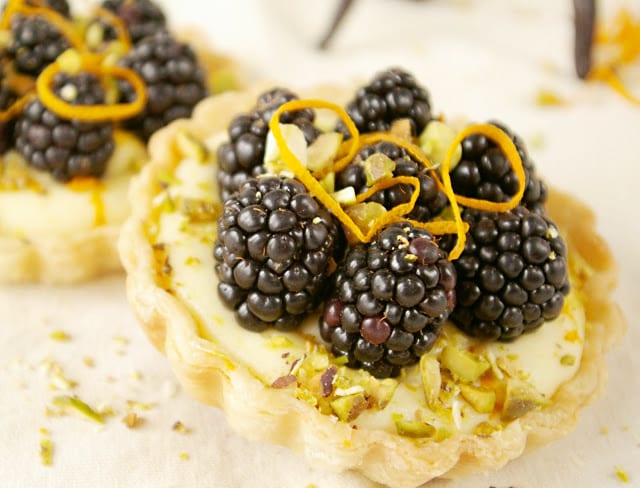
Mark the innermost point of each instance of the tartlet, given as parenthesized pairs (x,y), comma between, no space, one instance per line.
(267,382)
(39,242)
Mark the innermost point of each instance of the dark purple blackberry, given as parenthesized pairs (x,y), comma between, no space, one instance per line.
(7,98)
(431,200)
(142,17)
(484,172)
(174,78)
(389,301)
(512,275)
(66,148)
(393,94)
(35,43)
(274,252)
(242,157)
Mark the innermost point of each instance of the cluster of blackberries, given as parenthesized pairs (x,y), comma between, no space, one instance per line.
(385,301)
(175,83)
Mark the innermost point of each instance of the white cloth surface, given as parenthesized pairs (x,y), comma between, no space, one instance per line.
(482,59)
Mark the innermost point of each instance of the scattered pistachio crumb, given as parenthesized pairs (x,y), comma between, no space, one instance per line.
(568,360)
(61,382)
(184,456)
(180,427)
(44,431)
(72,402)
(547,98)
(121,340)
(136,375)
(604,430)
(46,452)
(88,362)
(622,474)
(60,335)
(132,421)
(134,405)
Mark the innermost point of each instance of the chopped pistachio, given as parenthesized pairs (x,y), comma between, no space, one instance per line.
(323,150)
(347,408)
(365,214)
(74,403)
(520,398)
(180,428)
(622,474)
(279,341)
(431,378)
(61,382)
(463,364)
(481,399)
(132,421)
(296,143)
(435,141)
(191,147)
(378,167)
(184,456)
(60,335)
(547,98)
(345,196)
(284,381)
(88,362)
(199,210)
(486,429)
(328,182)
(121,340)
(133,405)
(413,428)
(568,360)
(46,452)
(326,380)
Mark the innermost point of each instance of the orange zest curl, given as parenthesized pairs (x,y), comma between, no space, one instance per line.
(117,23)
(92,113)
(15,108)
(623,36)
(58,21)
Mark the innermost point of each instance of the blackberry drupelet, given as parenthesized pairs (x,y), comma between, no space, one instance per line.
(174,78)
(393,94)
(142,17)
(431,200)
(35,43)
(275,250)
(389,301)
(66,148)
(484,172)
(242,157)
(512,275)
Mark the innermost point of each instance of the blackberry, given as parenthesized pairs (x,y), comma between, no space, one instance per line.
(174,78)
(389,301)
(431,200)
(66,148)
(142,17)
(393,94)
(242,157)
(274,252)
(7,98)
(512,274)
(35,43)
(484,172)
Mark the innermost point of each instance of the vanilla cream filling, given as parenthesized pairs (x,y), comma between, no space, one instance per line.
(539,358)
(55,209)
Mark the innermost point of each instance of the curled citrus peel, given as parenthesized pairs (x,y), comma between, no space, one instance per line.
(61,23)
(350,148)
(15,108)
(117,23)
(92,63)
(624,37)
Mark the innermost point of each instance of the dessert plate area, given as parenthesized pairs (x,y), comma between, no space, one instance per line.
(481,59)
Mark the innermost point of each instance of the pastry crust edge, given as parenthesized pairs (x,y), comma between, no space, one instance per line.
(398,462)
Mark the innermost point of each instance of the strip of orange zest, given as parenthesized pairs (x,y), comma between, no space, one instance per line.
(506,145)
(15,108)
(57,20)
(94,186)
(92,113)
(117,23)
(608,75)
